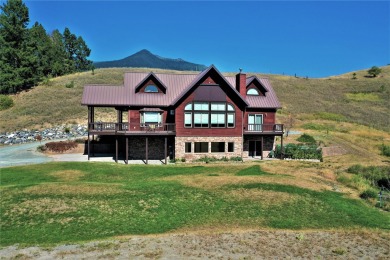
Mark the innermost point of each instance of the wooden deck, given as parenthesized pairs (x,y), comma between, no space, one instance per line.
(125,129)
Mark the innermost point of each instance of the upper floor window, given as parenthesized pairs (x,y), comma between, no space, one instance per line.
(151,89)
(253,92)
(150,118)
(209,114)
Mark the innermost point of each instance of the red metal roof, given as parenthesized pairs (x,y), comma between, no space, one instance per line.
(177,85)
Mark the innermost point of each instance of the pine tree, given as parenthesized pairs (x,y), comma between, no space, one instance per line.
(57,54)
(41,46)
(14,19)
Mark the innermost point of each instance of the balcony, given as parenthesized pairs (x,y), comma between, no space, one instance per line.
(264,129)
(108,128)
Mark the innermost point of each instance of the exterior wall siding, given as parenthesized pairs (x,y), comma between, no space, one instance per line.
(180,147)
(182,131)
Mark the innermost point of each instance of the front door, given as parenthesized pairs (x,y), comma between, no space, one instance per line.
(255,148)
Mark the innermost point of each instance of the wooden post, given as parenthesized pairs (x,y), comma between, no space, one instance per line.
(262,140)
(116,149)
(93,145)
(165,150)
(281,148)
(146,148)
(127,150)
(88,146)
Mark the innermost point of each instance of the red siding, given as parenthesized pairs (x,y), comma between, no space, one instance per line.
(182,131)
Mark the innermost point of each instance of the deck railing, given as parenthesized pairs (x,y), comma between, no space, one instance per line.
(278,128)
(126,127)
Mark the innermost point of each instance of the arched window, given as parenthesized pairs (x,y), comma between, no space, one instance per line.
(253,92)
(188,106)
(151,89)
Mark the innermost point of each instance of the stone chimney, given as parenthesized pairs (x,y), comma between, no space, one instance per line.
(241,83)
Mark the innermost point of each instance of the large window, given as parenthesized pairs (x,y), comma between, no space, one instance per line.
(209,114)
(148,118)
(217,147)
(201,147)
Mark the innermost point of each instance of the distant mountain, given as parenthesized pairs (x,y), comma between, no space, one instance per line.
(146,59)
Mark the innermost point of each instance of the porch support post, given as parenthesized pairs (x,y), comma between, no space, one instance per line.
(127,150)
(262,140)
(93,145)
(88,146)
(281,148)
(166,150)
(146,148)
(116,149)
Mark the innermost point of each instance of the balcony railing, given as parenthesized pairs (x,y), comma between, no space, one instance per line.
(126,127)
(264,128)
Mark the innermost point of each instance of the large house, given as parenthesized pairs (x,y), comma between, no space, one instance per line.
(185,116)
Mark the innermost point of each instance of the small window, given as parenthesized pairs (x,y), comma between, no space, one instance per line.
(217,147)
(201,119)
(151,89)
(217,106)
(218,120)
(201,147)
(230,120)
(252,91)
(187,119)
(187,147)
(230,107)
(201,106)
(188,106)
(230,147)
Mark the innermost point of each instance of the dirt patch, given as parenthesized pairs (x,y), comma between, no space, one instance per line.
(333,151)
(68,175)
(67,189)
(235,244)
(267,198)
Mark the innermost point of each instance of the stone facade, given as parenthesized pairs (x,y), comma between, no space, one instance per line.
(181,141)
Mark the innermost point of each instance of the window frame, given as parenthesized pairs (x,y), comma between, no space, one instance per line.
(199,146)
(151,85)
(221,111)
(215,147)
(253,94)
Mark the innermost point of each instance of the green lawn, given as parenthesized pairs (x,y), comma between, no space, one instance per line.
(69,202)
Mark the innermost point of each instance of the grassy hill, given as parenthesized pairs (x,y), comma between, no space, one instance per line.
(340,98)
(352,114)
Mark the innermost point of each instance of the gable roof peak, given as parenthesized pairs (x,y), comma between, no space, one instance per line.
(151,76)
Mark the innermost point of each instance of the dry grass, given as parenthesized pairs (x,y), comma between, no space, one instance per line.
(68,175)
(363,101)
(267,198)
(74,189)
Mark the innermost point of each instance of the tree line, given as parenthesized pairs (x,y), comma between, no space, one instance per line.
(28,55)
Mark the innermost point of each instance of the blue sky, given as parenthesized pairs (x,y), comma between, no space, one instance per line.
(309,38)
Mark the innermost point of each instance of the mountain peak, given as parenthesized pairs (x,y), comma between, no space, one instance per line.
(145,59)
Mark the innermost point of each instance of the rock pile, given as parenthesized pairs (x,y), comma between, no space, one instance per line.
(58,132)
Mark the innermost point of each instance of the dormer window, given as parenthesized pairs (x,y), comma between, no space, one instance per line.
(151,89)
(253,92)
